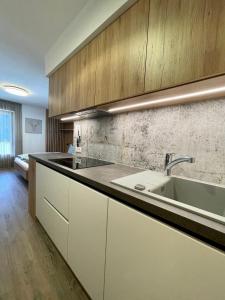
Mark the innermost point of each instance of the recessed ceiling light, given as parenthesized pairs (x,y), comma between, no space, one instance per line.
(15,90)
(70,118)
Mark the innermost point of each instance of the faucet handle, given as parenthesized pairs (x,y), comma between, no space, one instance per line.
(192,160)
(168,158)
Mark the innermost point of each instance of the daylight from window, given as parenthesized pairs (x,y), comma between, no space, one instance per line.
(6,132)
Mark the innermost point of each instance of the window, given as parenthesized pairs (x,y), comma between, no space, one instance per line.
(6,132)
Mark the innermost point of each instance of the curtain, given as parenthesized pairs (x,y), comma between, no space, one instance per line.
(10,132)
(54,136)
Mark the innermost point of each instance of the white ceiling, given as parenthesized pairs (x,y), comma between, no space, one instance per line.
(27,30)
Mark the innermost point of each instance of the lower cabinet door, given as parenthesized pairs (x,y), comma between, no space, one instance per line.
(54,187)
(146,259)
(54,224)
(87,237)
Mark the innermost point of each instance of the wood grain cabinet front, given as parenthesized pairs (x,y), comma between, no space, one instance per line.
(57,86)
(146,259)
(185,42)
(121,55)
(80,79)
(87,237)
(109,68)
(154,45)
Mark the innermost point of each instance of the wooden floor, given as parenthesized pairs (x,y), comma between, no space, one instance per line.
(30,266)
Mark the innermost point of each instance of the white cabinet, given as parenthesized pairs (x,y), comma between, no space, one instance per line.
(146,259)
(118,253)
(52,198)
(54,187)
(55,225)
(87,237)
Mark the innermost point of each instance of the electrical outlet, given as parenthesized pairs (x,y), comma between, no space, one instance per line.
(78,149)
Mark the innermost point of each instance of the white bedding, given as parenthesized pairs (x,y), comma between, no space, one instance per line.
(22,163)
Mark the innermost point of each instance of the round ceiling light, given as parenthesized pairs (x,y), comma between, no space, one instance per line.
(15,90)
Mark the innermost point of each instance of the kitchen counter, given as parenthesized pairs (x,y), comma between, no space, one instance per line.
(99,178)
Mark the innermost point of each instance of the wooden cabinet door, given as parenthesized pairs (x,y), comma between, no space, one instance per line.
(185,42)
(87,237)
(51,95)
(57,91)
(80,79)
(146,259)
(87,76)
(121,55)
(71,90)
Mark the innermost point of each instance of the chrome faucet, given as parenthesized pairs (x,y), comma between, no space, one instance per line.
(169,162)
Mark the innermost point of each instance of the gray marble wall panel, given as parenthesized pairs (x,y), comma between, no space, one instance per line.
(142,138)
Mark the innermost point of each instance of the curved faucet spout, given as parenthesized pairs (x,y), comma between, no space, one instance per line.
(171,163)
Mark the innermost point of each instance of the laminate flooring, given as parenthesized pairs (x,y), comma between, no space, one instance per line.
(31,268)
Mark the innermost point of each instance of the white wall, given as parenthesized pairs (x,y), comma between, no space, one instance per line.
(95,16)
(33,142)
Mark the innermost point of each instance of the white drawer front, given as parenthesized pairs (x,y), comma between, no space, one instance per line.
(55,225)
(146,259)
(87,237)
(54,187)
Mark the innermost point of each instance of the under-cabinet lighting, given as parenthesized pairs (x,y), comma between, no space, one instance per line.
(70,118)
(168,99)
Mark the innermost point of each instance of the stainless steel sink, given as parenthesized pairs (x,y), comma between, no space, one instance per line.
(193,195)
(198,194)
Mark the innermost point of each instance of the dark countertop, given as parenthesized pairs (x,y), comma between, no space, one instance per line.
(99,178)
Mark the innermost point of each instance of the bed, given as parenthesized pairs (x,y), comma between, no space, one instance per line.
(21,164)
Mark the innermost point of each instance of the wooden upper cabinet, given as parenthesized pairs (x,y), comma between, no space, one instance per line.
(57,91)
(121,55)
(80,79)
(87,79)
(185,41)
(155,44)
(109,68)
(69,84)
(50,96)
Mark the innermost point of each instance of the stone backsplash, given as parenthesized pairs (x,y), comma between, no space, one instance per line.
(142,138)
